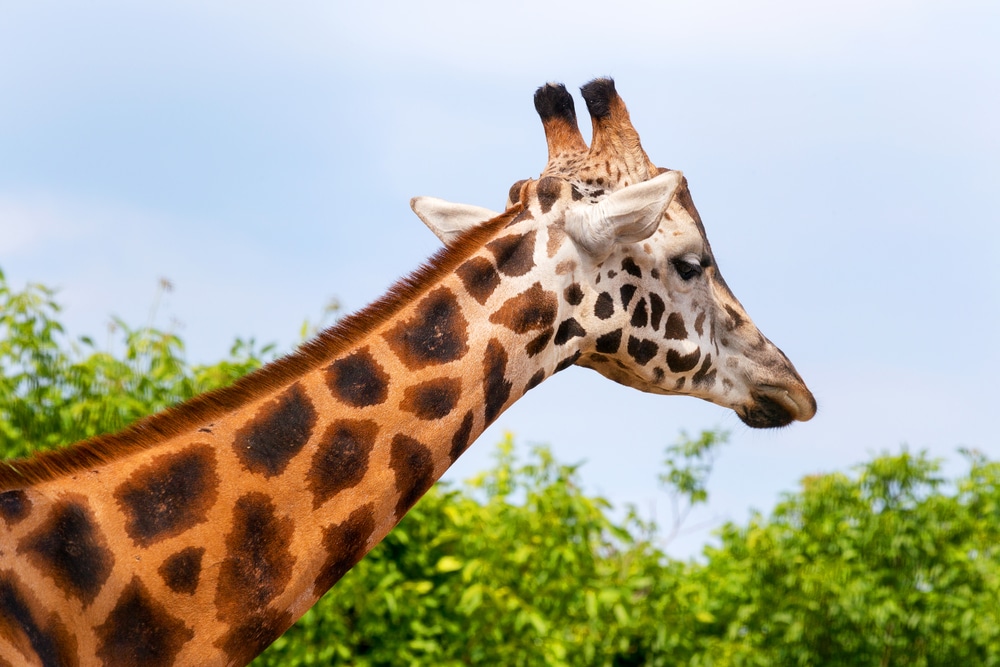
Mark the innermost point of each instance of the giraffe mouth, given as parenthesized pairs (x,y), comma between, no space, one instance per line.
(774,407)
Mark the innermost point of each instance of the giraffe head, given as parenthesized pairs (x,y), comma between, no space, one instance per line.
(640,297)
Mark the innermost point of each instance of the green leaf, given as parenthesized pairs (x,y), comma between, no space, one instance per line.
(448,564)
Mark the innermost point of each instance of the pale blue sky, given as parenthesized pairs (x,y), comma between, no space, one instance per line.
(845,157)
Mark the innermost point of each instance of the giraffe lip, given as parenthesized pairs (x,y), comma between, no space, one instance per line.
(773,407)
(801,407)
(765,412)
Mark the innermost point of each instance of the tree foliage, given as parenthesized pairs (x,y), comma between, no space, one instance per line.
(55,390)
(891,564)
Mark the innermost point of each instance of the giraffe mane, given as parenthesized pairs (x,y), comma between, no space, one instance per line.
(147,432)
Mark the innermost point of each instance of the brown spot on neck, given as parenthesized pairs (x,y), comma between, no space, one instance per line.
(182,570)
(253,633)
(462,438)
(141,631)
(345,544)
(531,310)
(437,333)
(413,465)
(358,380)
(568,329)
(258,562)
(432,399)
(341,459)
(70,548)
(496,386)
(514,253)
(479,277)
(277,432)
(538,344)
(169,495)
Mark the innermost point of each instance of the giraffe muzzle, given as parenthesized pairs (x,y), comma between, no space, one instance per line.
(775,406)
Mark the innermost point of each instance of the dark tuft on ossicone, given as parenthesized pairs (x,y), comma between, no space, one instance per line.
(553,100)
(598,94)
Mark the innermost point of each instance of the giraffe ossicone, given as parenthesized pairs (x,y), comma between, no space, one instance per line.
(197,536)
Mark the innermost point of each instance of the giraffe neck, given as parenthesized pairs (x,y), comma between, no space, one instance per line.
(205,543)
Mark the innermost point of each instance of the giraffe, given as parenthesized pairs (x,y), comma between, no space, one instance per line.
(198,535)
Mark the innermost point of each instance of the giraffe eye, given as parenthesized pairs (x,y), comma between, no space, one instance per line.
(688,267)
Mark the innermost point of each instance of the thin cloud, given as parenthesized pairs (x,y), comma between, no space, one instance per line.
(28,223)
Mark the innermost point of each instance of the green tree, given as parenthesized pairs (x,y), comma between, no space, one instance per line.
(884,568)
(55,390)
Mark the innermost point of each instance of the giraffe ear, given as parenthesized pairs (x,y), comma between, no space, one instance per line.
(626,216)
(448,221)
